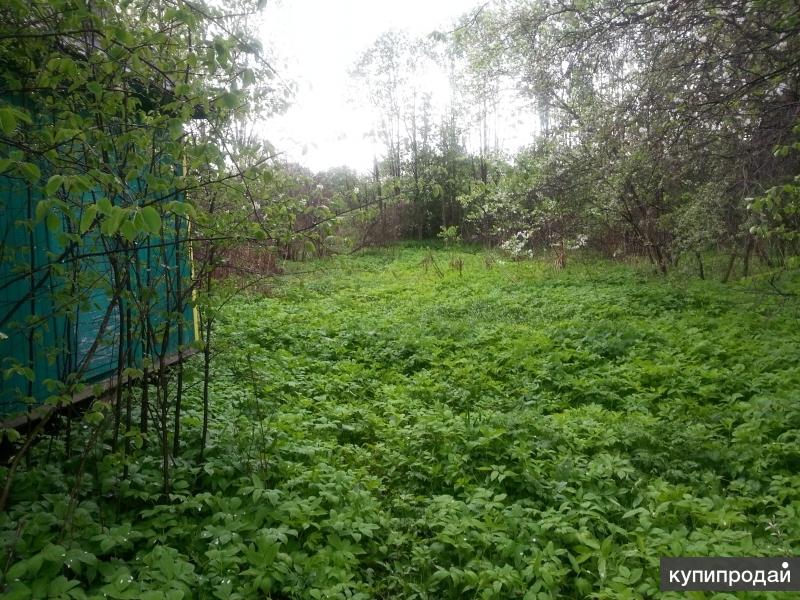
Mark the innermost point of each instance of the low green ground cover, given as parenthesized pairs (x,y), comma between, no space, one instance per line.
(383,430)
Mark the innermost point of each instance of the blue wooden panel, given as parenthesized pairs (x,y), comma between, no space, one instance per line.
(54,341)
(27,319)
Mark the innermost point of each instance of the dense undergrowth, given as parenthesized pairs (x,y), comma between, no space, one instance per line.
(384,431)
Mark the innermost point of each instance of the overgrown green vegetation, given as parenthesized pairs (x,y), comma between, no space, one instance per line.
(442,424)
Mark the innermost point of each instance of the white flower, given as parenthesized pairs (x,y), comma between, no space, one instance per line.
(579,242)
(320,186)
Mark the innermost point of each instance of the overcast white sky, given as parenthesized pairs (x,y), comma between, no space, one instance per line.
(319,41)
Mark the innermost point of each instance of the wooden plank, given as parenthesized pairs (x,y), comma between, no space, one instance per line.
(88,393)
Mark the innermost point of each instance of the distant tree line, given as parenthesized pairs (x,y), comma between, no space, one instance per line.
(665,129)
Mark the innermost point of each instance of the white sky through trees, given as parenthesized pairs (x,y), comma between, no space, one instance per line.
(317,42)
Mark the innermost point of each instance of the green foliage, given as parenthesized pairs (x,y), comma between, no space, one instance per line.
(449,235)
(778,210)
(624,153)
(382,432)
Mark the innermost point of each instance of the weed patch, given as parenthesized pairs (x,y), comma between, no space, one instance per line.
(385,432)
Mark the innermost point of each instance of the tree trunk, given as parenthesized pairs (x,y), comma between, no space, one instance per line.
(381,213)
(729,270)
(180,305)
(748,250)
(206,371)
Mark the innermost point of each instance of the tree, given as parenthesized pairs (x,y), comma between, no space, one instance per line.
(657,103)
(100,113)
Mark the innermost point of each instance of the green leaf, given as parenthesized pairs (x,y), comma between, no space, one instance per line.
(122,36)
(152,219)
(113,221)
(87,218)
(53,184)
(138,222)
(181,208)
(42,208)
(54,553)
(17,591)
(248,77)
(104,206)
(17,570)
(8,120)
(219,47)
(53,222)
(23,116)
(175,130)
(30,171)
(229,100)
(781,151)
(128,230)
(117,216)
(11,434)
(80,184)
(63,134)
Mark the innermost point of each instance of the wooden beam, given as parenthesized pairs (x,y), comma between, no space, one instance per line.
(25,421)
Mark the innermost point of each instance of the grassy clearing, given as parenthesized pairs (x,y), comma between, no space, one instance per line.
(382,431)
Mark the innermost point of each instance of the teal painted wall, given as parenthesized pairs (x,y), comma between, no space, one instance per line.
(52,339)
